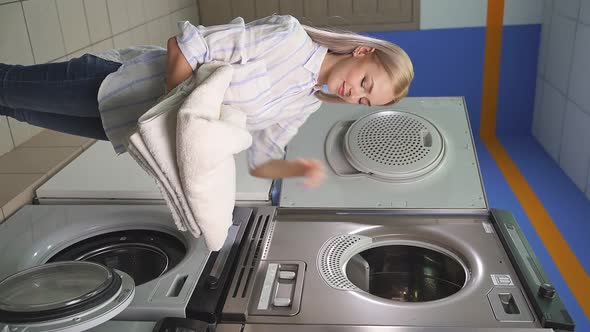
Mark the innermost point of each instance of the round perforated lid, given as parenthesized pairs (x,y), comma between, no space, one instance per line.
(393,145)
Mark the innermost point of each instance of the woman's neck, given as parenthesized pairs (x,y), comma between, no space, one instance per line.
(327,64)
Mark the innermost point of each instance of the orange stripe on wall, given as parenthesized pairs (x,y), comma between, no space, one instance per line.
(572,271)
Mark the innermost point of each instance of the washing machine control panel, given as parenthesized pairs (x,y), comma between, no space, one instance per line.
(277,289)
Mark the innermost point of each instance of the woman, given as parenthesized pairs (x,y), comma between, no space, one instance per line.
(282,72)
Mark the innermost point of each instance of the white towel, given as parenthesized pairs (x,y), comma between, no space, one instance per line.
(187,145)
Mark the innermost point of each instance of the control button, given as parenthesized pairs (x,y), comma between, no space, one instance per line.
(281,302)
(289,275)
(547,291)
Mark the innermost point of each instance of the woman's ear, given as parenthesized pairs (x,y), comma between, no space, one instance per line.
(363,50)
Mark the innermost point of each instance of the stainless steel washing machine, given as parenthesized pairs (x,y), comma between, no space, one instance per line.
(320,267)
(71,268)
(400,234)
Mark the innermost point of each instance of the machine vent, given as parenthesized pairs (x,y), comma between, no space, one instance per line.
(393,146)
(255,249)
(394,139)
(333,256)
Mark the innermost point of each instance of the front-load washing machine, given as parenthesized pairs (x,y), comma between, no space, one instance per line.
(338,268)
(399,234)
(64,265)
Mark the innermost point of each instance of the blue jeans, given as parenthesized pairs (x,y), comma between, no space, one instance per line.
(59,96)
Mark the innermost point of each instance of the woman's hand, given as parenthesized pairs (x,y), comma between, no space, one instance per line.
(311,169)
(178,69)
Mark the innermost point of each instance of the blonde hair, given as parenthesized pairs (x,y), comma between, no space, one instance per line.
(394,59)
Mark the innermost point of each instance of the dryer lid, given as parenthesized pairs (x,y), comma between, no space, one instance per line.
(63,296)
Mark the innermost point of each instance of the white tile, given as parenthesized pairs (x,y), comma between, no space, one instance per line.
(151,9)
(44,30)
(62,59)
(579,82)
(196,15)
(22,131)
(174,18)
(73,24)
(139,36)
(79,53)
(136,12)
(165,7)
(189,14)
(538,99)
(568,8)
(174,5)
(440,14)
(119,16)
(158,32)
(585,12)
(559,55)
(547,10)
(98,19)
(14,40)
(574,156)
(188,3)
(6,1)
(103,46)
(167,30)
(523,12)
(6,143)
(123,40)
(548,120)
(544,43)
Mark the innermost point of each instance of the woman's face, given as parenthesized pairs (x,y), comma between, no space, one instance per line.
(360,78)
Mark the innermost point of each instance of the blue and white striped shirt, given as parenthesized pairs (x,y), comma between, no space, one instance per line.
(276,68)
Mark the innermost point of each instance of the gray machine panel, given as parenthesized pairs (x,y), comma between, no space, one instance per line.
(454,185)
(299,238)
(99,176)
(36,233)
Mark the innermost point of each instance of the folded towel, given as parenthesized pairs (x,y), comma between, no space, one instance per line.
(186,143)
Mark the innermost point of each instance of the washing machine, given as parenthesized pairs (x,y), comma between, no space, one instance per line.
(69,268)
(99,176)
(399,235)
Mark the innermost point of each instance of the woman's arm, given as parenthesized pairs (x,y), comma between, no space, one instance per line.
(276,168)
(178,69)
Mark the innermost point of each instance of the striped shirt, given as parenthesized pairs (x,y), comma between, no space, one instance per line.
(276,68)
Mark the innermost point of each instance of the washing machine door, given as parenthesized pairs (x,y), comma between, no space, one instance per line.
(63,296)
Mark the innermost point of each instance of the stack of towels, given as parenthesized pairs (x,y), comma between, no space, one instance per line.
(187,144)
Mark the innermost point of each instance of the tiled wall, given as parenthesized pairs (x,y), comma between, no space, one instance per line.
(561,121)
(40,31)
(444,14)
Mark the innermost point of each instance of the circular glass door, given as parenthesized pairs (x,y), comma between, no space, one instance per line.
(406,273)
(143,254)
(67,293)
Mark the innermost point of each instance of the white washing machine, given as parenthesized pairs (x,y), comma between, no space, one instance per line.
(400,234)
(99,176)
(65,268)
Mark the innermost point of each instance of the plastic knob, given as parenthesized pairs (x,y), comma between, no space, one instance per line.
(547,291)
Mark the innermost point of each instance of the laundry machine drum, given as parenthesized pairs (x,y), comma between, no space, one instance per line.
(406,273)
(388,145)
(397,270)
(143,254)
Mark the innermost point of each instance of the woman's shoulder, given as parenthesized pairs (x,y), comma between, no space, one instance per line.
(285,20)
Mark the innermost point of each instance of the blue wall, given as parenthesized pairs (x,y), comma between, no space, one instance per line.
(447,62)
